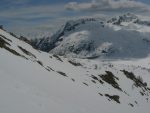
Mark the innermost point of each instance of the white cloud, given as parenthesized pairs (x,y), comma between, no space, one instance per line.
(108,5)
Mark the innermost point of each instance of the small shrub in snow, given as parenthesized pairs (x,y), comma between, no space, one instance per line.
(111,79)
(58,58)
(74,63)
(26,52)
(39,62)
(113,97)
(138,81)
(62,73)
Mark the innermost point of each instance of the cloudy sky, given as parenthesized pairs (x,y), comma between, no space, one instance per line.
(35,16)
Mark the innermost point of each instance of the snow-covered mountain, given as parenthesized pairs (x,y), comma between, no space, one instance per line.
(118,37)
(32,81)
(129,19)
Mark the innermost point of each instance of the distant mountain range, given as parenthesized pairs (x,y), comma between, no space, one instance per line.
(118,37)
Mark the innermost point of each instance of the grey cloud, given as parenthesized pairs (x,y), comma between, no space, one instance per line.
(108,5)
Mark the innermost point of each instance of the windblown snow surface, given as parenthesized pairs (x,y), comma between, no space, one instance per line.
(32,81)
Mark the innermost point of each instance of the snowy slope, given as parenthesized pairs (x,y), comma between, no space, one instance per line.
(119,37)
(32,81)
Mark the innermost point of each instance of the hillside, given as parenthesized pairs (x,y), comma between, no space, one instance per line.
(32,81)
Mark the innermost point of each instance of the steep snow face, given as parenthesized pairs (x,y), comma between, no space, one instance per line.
(123,37)
(32,81)
(48,43)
